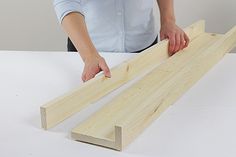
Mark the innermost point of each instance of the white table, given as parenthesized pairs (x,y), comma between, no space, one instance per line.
(201,124)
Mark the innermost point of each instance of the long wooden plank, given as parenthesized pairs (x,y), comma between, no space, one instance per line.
(121,120)
(173,89)
(64,106)
(127,101)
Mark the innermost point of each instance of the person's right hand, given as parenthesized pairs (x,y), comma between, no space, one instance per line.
(94,65)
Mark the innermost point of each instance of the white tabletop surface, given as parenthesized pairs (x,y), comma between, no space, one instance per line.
(200,124)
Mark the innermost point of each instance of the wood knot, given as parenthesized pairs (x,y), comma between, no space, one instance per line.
(127,68)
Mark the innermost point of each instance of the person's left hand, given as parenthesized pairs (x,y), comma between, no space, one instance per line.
(178,40)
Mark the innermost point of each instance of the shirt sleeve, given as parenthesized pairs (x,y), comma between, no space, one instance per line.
(64,7)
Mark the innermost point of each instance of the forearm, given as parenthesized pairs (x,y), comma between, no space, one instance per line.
(74,25)
(166,8)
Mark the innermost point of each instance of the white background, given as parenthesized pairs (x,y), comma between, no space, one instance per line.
(32,24)
(200,124)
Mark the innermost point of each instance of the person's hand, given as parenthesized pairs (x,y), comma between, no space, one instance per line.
(178,40)
(94,65)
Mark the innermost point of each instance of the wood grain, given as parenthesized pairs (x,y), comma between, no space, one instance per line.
(65,106)
(124,118)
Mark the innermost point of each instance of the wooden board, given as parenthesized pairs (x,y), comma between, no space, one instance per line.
(65,106)
(121,120)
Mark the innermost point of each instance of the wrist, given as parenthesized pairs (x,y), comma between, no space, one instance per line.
(167,20)
(90,56)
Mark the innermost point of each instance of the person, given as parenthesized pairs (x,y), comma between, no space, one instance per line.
(116,26)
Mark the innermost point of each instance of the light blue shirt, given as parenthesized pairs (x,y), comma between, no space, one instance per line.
(114,25)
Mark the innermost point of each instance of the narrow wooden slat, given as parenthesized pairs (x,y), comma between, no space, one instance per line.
(124,118)
(64,106)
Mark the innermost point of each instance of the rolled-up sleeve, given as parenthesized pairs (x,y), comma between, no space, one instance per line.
(64,7)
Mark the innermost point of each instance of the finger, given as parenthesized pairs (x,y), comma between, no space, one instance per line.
(89,76)
(171,45)
(177,42)
(105,68)
(162,36)
(83,77)
(186,38)
(182,40)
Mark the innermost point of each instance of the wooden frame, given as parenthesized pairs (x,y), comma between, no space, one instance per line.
(65,106)
(124,118)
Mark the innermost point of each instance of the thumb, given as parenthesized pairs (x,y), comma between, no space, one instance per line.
(105,68)
(83,77)
(162,36)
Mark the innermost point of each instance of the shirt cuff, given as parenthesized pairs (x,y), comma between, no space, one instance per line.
(64,7)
